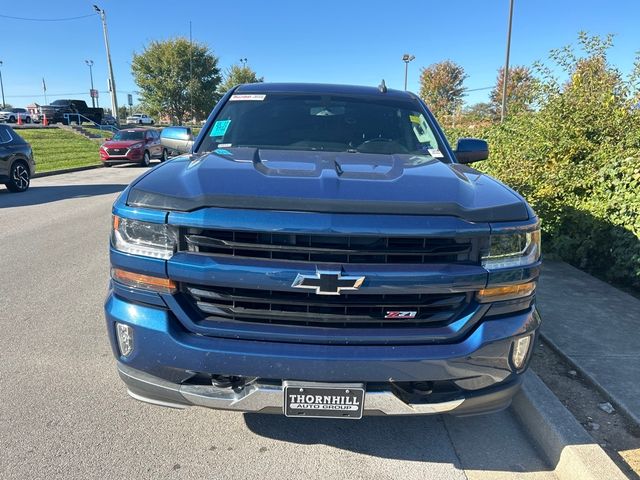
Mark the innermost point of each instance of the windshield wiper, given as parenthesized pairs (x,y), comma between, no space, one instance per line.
(338,167)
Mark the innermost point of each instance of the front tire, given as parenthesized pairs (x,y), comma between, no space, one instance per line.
(12,119)
(19,177)
(164,156)
(146,159)
(27,120)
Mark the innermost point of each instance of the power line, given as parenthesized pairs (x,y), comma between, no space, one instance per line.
(62,94)
(478,89)
(47,19)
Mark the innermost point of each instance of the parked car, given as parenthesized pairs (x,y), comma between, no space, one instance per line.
(11,115)
(133,145)
(68,110)
(110,120)
(140,119)
(17,165)
(322,251)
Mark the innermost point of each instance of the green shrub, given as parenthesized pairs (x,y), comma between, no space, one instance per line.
(576,159)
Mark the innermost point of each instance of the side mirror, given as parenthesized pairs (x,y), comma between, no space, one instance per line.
(179,139)
(471,150)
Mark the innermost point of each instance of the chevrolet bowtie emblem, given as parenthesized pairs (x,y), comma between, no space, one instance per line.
(327,283)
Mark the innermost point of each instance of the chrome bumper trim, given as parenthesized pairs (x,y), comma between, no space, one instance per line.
(257,397)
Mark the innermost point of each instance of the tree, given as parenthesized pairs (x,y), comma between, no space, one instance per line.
(123,111)
(521,90)
(441,86)
(175,76)
(478,112)
(237,75)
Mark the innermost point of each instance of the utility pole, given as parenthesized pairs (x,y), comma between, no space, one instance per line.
(191,71)
(406,58)
(112,81)
(90,65)
(505,74)
(1,85)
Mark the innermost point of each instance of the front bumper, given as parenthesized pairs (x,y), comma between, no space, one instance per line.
(131,156)
(268,398)
(166,356)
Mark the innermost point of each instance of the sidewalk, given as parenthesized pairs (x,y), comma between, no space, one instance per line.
(597,327)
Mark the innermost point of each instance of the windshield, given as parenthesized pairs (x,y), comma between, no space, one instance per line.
(323,122)
(128,135)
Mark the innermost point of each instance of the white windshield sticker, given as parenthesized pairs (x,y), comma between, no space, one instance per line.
(435,153)
(245,96)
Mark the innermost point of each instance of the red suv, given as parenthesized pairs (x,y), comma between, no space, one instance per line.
(133,145)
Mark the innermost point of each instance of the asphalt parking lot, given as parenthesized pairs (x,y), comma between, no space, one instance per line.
(65,414)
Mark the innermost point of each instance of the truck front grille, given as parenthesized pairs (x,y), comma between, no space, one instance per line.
(311,310)
(304,247)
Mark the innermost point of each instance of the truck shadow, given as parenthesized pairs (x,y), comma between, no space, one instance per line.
(37,195)
(492,442)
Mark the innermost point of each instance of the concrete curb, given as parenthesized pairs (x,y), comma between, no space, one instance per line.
(66,170)
(621,408)
(564,443)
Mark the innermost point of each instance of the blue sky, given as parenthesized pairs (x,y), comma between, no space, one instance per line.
(357,42)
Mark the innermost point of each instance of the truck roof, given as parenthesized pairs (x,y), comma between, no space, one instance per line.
(320,88)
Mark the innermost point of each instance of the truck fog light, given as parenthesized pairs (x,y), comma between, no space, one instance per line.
(125,338)
(520,351)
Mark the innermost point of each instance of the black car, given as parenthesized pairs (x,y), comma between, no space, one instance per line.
(110,120)
(16,160)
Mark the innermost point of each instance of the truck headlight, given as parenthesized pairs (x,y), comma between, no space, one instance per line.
(156,240)
(512,250)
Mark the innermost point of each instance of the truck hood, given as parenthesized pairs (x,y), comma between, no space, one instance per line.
(331,182)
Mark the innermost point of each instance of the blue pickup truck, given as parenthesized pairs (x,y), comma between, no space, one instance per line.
(322,251)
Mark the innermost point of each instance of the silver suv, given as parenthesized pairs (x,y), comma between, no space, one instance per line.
(11,115)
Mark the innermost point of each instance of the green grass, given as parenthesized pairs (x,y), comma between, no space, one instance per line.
(57,149)
(97,131)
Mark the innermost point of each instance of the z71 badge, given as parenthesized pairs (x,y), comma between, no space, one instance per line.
(401,314)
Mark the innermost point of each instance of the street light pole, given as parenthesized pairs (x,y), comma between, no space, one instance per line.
(2,85)
(505,74)
(90,65)
(406,58)
(191,72)
(112,81)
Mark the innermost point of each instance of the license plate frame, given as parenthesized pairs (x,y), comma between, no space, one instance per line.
(336,400)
